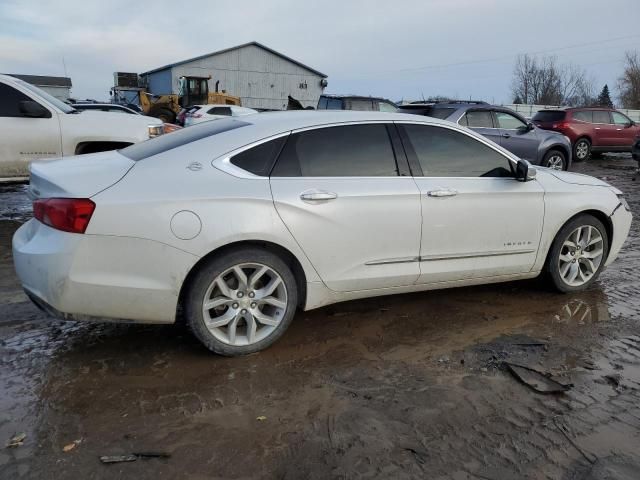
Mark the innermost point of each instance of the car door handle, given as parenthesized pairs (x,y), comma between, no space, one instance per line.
(506,135)
(317,195)
(442,193)
(597,128)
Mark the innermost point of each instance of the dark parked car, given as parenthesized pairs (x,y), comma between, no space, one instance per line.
(504,127)
(590,130)
(355,102)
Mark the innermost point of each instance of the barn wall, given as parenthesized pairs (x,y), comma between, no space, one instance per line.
(260,78)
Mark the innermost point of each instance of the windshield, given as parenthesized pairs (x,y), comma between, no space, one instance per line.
(66,108)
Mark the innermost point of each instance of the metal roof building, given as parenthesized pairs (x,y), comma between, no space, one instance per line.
(59,87)
(262,77)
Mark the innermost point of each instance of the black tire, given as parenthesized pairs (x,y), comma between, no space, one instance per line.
(164,114)
(207,273)
(552,157)
(553,259)
(579,149)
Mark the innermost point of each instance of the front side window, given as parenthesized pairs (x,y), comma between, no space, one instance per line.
(343,151)
(509,122)
(601,116)
(583,116)
(443,152)
(10,99)
(387,107)
(477,119)
(620,119)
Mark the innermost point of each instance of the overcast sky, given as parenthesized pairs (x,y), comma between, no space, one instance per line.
(398,49)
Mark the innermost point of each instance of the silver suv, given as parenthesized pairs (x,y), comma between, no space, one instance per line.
(504,127)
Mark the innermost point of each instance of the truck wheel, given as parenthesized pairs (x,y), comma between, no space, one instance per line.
(164,114)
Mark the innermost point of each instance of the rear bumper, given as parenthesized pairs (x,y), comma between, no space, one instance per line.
(621,220)
(95,277)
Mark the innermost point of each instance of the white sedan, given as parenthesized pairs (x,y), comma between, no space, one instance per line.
(206,113)
(238,223)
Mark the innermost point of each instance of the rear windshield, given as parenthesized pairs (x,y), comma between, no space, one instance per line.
(163,143)
(427,110)
(549,116)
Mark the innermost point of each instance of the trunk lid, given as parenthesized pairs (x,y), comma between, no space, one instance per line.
(82,176)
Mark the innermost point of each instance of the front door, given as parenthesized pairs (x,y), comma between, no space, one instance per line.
(338,191)
(516,136)
(625,131)
(24,139)
(478,221)
(604,132)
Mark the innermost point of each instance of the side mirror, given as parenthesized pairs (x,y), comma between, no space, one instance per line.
(524,171)
(31,109)
(530,126)
(629,124)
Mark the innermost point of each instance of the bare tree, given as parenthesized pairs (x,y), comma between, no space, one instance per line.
(543,81)
(629,82)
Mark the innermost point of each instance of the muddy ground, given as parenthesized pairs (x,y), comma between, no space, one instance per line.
(408,386)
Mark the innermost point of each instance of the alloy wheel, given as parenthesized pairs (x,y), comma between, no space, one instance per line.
(582,150)
(581,255)
(245,304)
(555,162)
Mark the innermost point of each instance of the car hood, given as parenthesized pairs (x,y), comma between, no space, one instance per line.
(577,178)
(122,117)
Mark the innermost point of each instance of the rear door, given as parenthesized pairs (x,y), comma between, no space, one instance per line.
(481,121)
(478,221)
(24,139)
(339,192)
(516,137)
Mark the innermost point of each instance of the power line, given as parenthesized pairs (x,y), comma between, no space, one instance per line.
(504,57)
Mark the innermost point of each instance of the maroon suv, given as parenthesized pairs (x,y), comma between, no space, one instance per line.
(591,129)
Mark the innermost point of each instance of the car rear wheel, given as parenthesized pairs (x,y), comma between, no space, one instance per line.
(555,159)
(578,254)
(241,302)
(582,150)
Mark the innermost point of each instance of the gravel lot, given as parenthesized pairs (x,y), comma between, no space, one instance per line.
(408,386)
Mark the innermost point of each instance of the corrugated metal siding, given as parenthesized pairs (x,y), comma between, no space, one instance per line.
(261,79)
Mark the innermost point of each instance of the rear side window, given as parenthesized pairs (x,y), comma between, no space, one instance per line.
(259,159)
(601,116)
(550,116)
(334,104)
(220,111)
(443,152)
(583,116)
(343,151)
(10,99)
(164,143)
(477,119)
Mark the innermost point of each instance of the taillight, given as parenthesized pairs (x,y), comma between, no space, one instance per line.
(560,125)
(66,214)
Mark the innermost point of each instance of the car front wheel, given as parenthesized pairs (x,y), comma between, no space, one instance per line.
(555,159)
(582,150)
(578,254)
(241,302)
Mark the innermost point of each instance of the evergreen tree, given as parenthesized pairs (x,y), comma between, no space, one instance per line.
(604,99)
(517,100)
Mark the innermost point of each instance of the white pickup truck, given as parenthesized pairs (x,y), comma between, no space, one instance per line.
(34,125)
